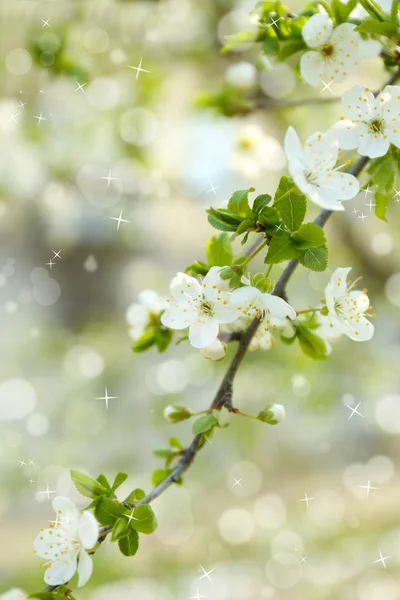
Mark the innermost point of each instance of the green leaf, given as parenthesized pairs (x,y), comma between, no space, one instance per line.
(243,37)
(197,268)
(315,259)
(239,203)
(269,219)
(159,475)
(121,529)
(383,171)
(144,520)
(146,341)
(341,11)
(108,511)
(309,236)
(290,47)
(102,479)
(129,545)
(175,443)
(219,250)
(381,201)
(292,210)
(86,485)
(259,204)
(204,423)
(119,480)
(163,337)
(262,283)
(281,248)
(374,26)
(311,344)
(134,496)
(223,220)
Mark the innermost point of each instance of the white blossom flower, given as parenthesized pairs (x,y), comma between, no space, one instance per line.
(264,337)
(251,302)
(242,75)
(314,172)
(347,307)
(199,306)
(141,314)
(256,153)
(373,123)
(216,351)
(65,543)
(335,50)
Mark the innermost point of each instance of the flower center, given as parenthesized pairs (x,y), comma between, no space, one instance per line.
(376,125)
(206,307)
(327,50)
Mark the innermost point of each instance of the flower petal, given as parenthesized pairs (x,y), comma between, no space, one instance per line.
(312,67)
(178,316)
(278,307)
(184,285)
(88,530)
(50,543)
(317,30)
(85,568)
(358,329)
(358,103)
(61,571)
(336,288)
(66,512)
(293,147)
(203,332)
(342,186)
(374,146)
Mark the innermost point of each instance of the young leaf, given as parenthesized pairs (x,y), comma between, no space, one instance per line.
(144,520)
(134,496)
(239,203)
(281,248)
(311,344)
(162,338)
(119,480)
(219,251)
(204,423)
(382,201)
(259,204)
(315,259)
(129,545)
(146,341)
(309,236)
(86,485)
(121,529)
(223,220)
(108,511)
(373,26)
(197,268)
(292,209)
(102,479)
(159,475)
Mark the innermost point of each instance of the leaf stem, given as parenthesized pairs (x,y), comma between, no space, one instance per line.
(254,254)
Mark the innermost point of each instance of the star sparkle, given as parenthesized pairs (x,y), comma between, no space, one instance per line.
(106,397)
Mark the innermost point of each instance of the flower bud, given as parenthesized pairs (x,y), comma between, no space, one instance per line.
(176,413)
(216,351)
(272,414)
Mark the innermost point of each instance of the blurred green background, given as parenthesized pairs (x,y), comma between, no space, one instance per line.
(64,336)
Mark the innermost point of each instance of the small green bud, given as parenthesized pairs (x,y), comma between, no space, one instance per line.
(272,414)
(324,311)
(176,413)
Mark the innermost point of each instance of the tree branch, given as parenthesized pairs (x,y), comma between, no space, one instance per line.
(224,392)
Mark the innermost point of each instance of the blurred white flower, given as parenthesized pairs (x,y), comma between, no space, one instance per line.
(143,313)
(242,75)
(347,307)
(216,351)
(256,153)
(65,543)
(264,337)
(373,123)
(14,594)
(336,50)
(250,302)
(314,172)
(199,306)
